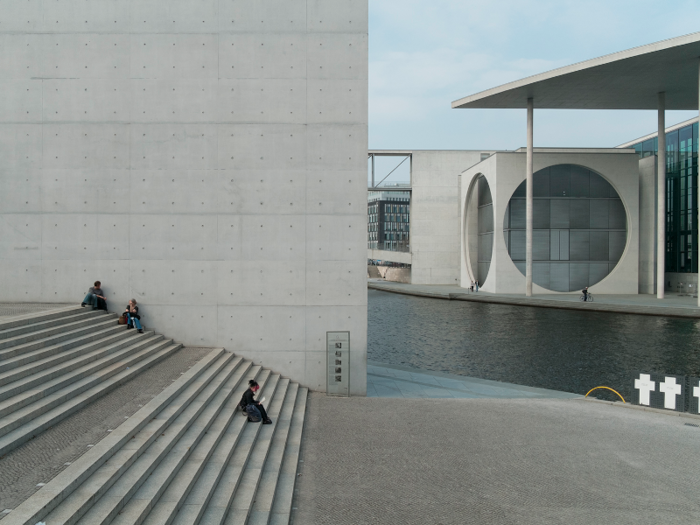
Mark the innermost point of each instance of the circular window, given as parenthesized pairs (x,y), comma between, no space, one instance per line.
(579,228)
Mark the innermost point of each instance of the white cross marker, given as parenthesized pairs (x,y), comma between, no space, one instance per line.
(696,393)
(670,390)
(645,385)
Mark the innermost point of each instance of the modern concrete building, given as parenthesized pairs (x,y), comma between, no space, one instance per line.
(558,219)
(435,211)
(199,156)
(682,205)
(660,76)
(586,221)
(388,221)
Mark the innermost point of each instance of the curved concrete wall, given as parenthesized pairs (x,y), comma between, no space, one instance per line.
(505,171)
(202,156)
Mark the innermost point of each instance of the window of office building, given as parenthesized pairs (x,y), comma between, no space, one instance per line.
(579,228)
(681,195)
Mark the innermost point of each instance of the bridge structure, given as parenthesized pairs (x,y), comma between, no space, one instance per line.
(381,187)
(431,180)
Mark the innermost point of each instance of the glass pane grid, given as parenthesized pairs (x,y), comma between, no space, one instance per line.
(579,228)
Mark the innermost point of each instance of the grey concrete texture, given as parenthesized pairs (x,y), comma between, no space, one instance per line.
(435,214)
(172,397)
(648,172)
(409,383)
(33,405)
(14,309)
(45,456)
(191,153)
(492,461)
(185,456)
(504,173)
(673,305)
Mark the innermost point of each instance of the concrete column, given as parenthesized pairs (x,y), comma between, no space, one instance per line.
(528,202)
(661,201)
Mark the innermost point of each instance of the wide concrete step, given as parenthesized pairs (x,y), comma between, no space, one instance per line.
(152,443)
(281,505)
(175,398)
(213,451)
(15,418)
(52,344)
(36,317)
(281,446)
(44,383)
(248,462)
(42,324)
(24,424)
(135,485)
(72,322)
(67,359)
(187,457)
(160,497)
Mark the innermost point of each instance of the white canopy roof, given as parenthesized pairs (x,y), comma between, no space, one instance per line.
(628,79)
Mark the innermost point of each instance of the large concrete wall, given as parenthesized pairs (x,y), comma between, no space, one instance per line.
(206,157)
(435,214)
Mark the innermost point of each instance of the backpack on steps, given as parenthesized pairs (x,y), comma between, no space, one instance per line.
(254,414)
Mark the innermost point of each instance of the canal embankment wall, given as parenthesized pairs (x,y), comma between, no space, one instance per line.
(672,306)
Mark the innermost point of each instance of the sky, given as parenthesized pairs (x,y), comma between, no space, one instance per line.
(423,54)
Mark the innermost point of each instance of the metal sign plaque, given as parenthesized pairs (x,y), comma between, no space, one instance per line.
(338,363)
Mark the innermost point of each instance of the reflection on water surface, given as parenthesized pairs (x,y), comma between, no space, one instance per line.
(559,349)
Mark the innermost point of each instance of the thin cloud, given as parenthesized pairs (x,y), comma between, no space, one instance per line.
(423,55)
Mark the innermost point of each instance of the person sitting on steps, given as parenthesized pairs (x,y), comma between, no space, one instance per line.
(95,297)
(249,399)
(133,317)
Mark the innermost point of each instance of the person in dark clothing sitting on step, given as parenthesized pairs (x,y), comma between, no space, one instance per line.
(249,399)
(133,317)
(95,297)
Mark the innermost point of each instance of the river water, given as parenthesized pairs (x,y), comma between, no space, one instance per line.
(563,350)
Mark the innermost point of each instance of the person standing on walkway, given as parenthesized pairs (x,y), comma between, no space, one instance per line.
(95,297)
(132,316)
(249,399)
(472,286)
(477,285)
(585,294)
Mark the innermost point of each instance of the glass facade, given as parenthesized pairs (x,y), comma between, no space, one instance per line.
(389,221)
(579,228)
(681,195)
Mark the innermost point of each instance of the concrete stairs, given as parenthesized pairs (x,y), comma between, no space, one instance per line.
(189,456)
(55,362)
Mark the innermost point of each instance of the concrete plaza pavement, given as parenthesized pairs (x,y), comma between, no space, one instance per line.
(434,448)
(391,381)
(673,305)
(495,461)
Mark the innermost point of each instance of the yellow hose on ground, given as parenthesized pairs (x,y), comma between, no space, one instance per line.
(607,388)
